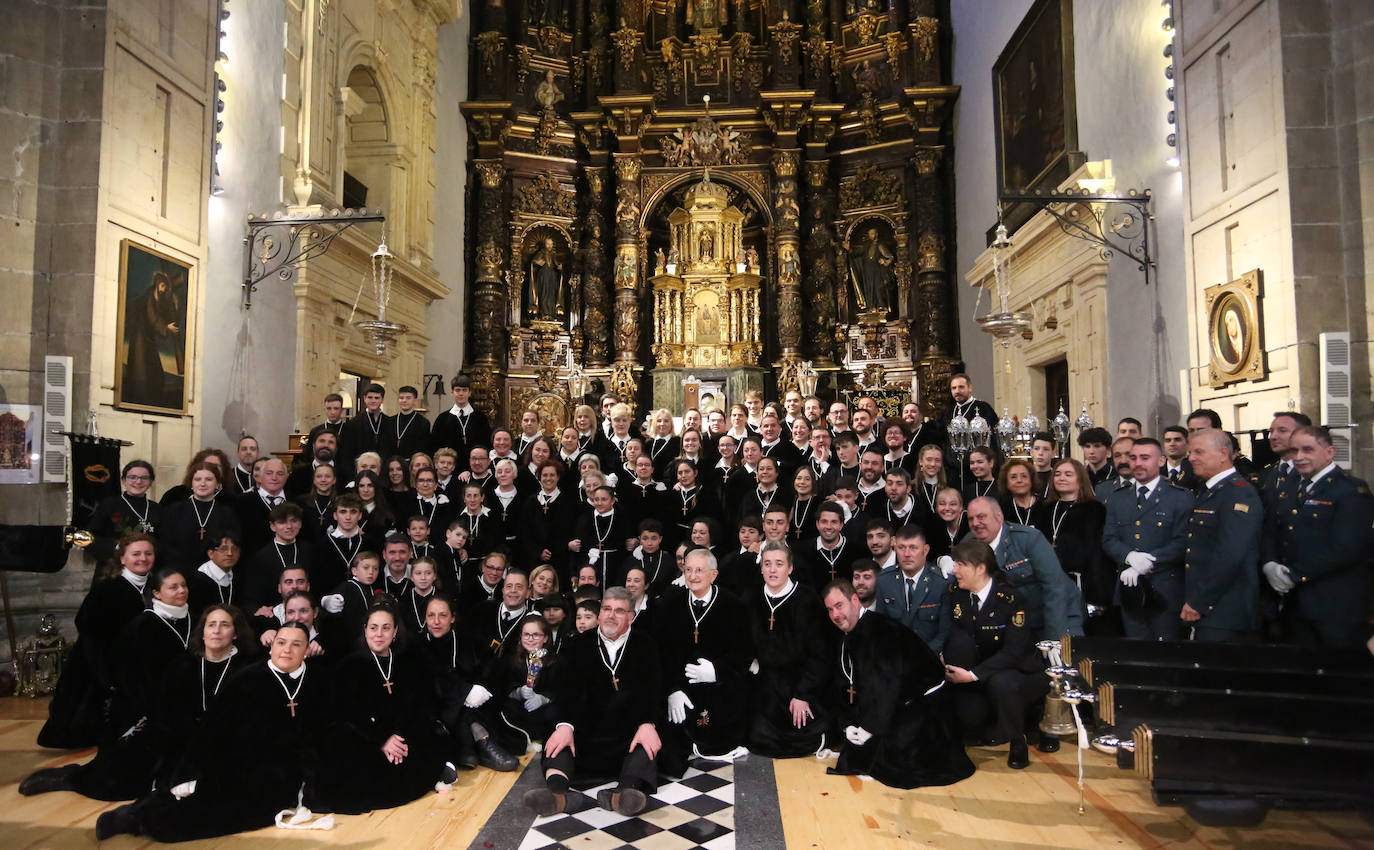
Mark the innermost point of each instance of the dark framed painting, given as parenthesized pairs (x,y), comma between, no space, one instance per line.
(1034,102)
(151,371)
(1234,326)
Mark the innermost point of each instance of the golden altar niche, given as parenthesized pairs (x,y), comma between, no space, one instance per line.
(706,286)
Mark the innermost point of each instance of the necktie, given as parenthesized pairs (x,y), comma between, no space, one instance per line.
(1305,487)
(977,603)
(1140,496)
(699,604)
(910,591)
(1173,476)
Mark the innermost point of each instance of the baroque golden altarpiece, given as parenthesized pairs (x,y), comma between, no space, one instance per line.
(672,189)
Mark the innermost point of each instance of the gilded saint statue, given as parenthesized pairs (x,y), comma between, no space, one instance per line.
(545,276)
(547,94)
(706,245)
(871,269)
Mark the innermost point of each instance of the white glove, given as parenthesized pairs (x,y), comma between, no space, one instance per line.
(754,667)
(523,692)
(701,673)
(477,696)
(1130,576)
(857,735)
(1141,561)
(184,790)
(1279,577)
(533,702)
(946,565)
(677,706)
(333,603)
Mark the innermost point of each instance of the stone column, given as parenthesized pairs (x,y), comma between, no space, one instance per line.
(932,332)
(626,276)
(489,290)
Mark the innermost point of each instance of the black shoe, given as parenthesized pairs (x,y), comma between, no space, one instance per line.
(49,779)
(492,756)
(120,821)
(622,801)
(1019,757)
(544,802)
(1048,743)
(449,774)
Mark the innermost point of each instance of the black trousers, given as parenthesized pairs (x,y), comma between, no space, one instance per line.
(637,770)
(999,702)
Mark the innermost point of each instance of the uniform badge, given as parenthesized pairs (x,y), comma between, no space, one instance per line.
(1018,619)
(1242,507)
(958,611)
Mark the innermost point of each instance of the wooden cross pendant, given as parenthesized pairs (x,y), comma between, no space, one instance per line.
(387,684)
(696,635)
(291,704)
(770,622)
(851,694)
(615,683)
(202,534)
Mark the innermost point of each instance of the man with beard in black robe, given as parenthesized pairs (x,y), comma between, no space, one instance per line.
(891,705)
(792,652)
(607,698)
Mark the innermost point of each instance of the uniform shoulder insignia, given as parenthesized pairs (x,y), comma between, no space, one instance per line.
(958,610)
(1018,619)
(1362,489)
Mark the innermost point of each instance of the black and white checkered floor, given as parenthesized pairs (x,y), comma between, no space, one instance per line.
(698,810)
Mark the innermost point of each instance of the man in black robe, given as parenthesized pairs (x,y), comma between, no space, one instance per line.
(792,651)
(706,656)
(891,704)
(608,696)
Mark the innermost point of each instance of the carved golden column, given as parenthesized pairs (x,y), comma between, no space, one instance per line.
(489,291)
(932,333)
(786,227)
(596,293)
(626,276)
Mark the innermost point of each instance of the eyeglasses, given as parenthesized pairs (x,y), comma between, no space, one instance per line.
(133,477)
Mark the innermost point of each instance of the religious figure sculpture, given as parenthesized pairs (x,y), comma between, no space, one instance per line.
(871,269)
(547,94)
(706,244)
(751,257)
(660,259)
(545,275)
(704,14)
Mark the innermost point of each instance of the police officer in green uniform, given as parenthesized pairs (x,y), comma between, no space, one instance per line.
(1221,579)
(1051,600)
(990,655)
(1316,545)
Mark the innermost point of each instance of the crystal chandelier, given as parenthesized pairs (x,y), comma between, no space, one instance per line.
(380,332)
(1005,324)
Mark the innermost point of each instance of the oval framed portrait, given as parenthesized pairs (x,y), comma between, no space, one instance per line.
(1233,331)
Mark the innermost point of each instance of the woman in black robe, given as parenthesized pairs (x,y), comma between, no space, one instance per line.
(317,506)
(130,512)
(381,752)
(788,717)
(188,523)
(453,670)
(1072,519)
(947,526)
(248,760)
(181,492)
(78,713)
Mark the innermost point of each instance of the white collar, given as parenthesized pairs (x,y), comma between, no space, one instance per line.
(772,444)
(613,647)
(138,581)
(889,561)
(1168,464)
(294,674)
(170,612)
(787,588)
(465,410)
(266,495)
(335,531)
(1323,472)
(875,488)
(551,495)
(901,574)
(982,595)
(906,506)
(217,575)
(998,539)
(611,512)
(821,547)
(1216,479)
(316,464)
(1149,488)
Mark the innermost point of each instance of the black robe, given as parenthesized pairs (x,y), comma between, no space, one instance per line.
(892,673)
(205,591)
(78,713)
(355,776)
(504,715)
(180,542)
(793,648)
(547,528)
(115,517)
(261,573)
(606,709)
(460,434)
(249,757)
(608,536)
(718,719)
(404,435)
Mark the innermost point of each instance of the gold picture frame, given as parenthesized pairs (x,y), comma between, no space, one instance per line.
(152,340)
(1235,343)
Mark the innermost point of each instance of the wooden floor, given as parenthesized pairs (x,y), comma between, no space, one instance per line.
(997,808)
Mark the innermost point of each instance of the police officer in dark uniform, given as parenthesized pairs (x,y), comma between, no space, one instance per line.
(990,655)
(1279,475)
(1316,545)
(1145,535)
(1221,582)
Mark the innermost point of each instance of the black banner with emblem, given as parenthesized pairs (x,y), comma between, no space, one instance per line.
(95,474)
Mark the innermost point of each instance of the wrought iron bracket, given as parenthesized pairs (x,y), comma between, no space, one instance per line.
(1117,223)
(278,243)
